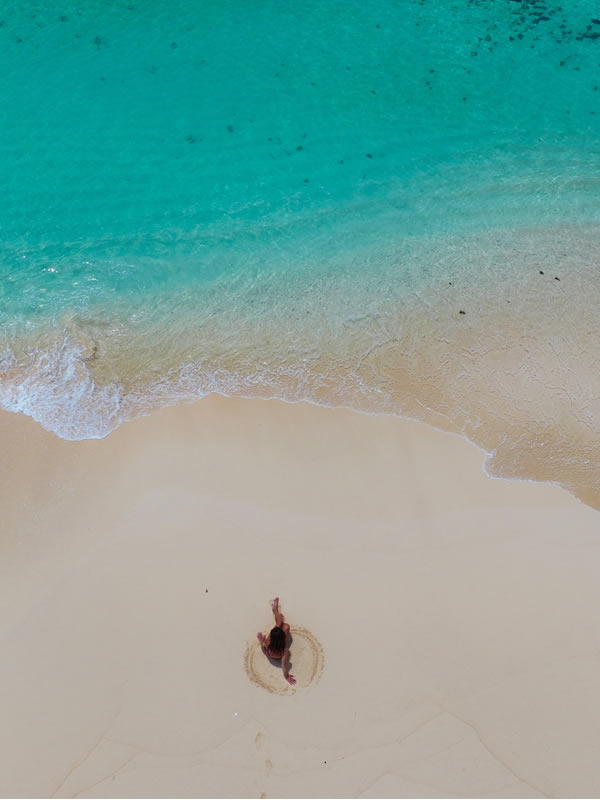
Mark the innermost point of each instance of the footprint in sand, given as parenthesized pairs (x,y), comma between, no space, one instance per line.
(306,664)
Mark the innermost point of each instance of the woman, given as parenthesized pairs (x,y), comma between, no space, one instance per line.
(276,645)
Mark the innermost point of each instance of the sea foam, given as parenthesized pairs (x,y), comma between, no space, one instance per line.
(53,384)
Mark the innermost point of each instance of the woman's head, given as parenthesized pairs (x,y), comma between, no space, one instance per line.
(277,639)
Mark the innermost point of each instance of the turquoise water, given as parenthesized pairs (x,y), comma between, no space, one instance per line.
(229,196)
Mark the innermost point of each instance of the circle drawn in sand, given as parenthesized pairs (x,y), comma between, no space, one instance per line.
(306,664)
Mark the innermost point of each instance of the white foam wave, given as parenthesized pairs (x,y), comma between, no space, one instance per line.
(54,386)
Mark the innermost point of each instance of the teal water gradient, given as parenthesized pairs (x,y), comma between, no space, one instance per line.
(152,145)
(192,183)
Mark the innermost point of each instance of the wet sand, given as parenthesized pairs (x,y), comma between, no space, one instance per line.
(457,615)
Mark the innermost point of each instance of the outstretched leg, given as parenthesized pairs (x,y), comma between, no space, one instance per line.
(279,618)
(285,665)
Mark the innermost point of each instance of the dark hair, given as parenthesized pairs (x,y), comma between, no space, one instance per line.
(277,639)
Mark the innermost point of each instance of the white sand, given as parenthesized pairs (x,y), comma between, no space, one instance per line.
(458,614)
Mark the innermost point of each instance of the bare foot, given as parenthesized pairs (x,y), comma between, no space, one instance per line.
(291,680)
(275,604)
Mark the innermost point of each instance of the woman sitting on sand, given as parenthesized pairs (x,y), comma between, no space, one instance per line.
(276,645)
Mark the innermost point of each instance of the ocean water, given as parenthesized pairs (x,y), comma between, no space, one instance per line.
(392,207)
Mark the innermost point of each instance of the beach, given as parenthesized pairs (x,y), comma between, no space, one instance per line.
(457,614)
(300,301)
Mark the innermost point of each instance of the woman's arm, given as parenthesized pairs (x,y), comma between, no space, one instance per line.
(264,643)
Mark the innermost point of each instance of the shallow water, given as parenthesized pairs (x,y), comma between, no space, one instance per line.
(298,202)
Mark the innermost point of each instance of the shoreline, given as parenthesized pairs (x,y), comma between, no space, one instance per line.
(437,426)
(457,615)
(498,360)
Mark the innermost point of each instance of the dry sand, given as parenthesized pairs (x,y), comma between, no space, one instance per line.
(458,615)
